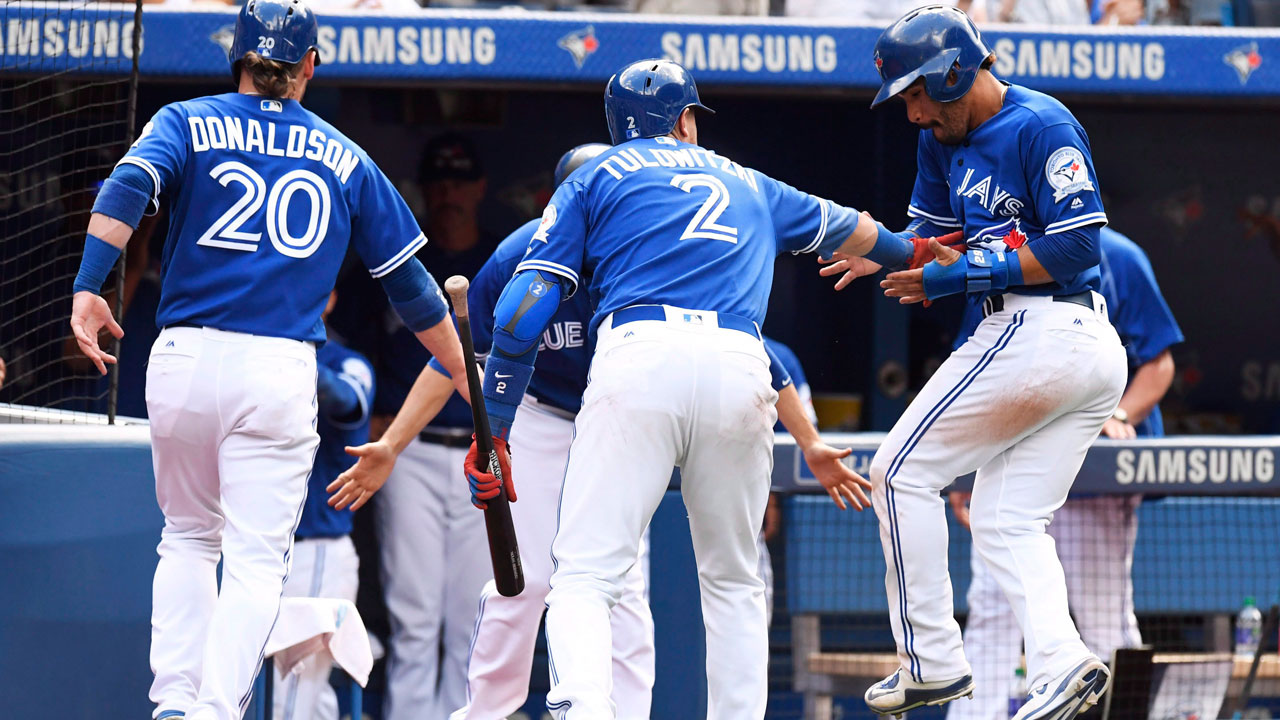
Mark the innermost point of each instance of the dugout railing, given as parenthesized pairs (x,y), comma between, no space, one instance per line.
(1209,513)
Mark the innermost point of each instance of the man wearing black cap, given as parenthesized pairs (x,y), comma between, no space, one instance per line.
(434,554)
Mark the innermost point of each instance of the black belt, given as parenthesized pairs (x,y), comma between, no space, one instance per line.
(995,303)
(447,438)
(184,323)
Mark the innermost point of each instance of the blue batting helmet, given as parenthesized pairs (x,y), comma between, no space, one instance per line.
(282,30)
(928,43)
(645,98)
(575,159)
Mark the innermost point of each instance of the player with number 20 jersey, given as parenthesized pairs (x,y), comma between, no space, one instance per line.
(264,198)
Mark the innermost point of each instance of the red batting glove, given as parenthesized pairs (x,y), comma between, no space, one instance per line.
(924,255)
(486,485)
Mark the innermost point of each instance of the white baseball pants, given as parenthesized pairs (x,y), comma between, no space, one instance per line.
(1020,402)
(1095,538)
(665,393)
(322,568)
(435,561)
(507,628)
(233,440)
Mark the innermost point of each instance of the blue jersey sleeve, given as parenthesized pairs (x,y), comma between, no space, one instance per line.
(1138,310)
(1062,181)
(483,296)
(383,229)
(804,223)
(931,197)
(559,244)
(355,372)
(161,151)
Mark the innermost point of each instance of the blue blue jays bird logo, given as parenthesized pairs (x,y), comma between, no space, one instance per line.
(1006,236)
(1244,60)
(580,44)
(223,37)
(1067,172)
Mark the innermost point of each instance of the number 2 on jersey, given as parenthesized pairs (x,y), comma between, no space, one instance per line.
(226,233)
(705,223)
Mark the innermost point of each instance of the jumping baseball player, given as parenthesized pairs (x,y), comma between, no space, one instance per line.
(1094,535)
(264,198)
(678,243)
(503,642)
(325,564)
(1023,399)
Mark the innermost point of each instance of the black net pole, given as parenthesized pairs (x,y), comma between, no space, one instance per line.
(131,117)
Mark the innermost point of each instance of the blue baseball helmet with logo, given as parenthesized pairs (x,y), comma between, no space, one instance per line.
(645,98)
(929,43)
(282,30)
(575,158)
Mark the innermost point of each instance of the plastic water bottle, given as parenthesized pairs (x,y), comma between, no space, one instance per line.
(1248,629)
(1017,693)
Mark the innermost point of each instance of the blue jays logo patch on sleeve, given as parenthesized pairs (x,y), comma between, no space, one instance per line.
(1067,172)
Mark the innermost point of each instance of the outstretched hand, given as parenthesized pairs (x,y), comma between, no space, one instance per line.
(908,285)
(358,483)
(852,266)
(840,481)
(89,314)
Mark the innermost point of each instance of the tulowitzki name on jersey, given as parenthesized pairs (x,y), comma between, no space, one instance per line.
(629,160)
(292,141)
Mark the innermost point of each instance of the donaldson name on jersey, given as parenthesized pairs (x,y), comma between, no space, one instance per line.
(1025,173)
(264,197)
(658,221)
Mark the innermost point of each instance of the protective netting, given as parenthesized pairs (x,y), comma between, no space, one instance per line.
(67,77)
(1196,561)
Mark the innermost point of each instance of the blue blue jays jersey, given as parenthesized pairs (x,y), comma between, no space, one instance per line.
(657,221)
(264,197)
(788,358)
(560,371)
(1141,316)
(318,518)
(1025,173)
(1137,310)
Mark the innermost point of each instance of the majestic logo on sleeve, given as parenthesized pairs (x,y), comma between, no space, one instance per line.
(1244,60)
(580,44)
(548,219)
(1067,173)
(1004,237)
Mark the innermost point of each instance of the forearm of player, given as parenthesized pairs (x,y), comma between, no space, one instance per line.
(428,395)
(791,413)
(441,340)
(1148,387)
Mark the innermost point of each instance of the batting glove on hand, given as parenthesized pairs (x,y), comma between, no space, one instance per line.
(924,255)
(487,485)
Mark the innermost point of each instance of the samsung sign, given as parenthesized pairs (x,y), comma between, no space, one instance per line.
(1166,466)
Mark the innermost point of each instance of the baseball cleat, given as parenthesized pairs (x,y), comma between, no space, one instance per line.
(1065,697)
(895,694)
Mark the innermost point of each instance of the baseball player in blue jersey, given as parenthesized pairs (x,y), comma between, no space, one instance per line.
(264,198)
(324,558)
(1023,399)
(503,642)
(1094,535)
(678,244)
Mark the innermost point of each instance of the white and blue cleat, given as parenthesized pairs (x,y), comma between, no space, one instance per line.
(1067,696)
(895,694)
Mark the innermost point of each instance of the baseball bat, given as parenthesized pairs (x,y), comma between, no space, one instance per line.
(508,572)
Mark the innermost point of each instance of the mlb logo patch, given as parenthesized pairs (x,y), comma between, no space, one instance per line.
(272,106)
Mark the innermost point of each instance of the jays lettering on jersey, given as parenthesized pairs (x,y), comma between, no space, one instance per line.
(560,370)
(263,199)
(586,49)
(1024,173)
(318,518)
(657,221)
